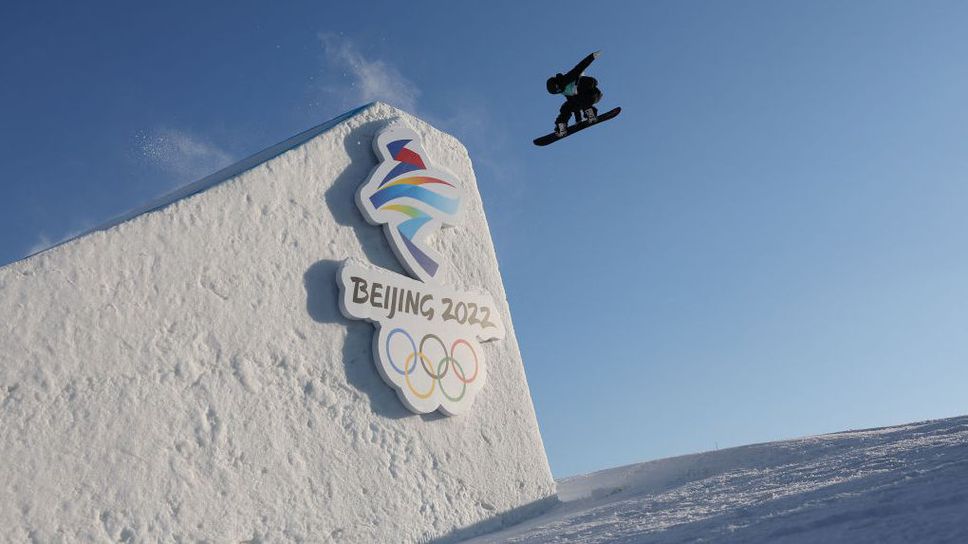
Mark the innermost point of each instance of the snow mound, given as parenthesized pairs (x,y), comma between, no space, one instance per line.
(184,374)
(896,484)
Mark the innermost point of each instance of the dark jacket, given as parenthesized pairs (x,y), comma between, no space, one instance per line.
(574,83)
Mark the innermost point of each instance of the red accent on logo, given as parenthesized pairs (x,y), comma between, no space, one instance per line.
(407,156)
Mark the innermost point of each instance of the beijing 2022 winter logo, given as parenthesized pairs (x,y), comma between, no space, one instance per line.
(427,339)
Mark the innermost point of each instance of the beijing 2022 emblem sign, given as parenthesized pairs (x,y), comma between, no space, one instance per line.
(427,339)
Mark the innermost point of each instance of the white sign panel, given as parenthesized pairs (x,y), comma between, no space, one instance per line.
(427,342)
(410,198)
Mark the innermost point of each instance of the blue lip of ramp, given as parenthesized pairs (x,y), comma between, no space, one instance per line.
(217,178)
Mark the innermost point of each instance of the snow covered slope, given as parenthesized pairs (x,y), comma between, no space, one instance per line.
(184,374)
(896,484)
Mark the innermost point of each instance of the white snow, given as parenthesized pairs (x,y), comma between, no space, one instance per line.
(897,484)
(184,373)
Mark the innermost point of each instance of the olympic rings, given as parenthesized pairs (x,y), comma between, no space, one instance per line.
(389,336)
(440,375)
(453,349)
(406,377)
(463,385)
(443,367)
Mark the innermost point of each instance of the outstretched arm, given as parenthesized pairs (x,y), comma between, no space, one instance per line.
(581,66)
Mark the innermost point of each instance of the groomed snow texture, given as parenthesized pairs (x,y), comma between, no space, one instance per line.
(185,375)
(904,484)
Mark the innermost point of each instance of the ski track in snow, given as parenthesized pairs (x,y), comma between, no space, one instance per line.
(896,484)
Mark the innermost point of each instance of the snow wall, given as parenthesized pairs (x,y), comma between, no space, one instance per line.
(185,374)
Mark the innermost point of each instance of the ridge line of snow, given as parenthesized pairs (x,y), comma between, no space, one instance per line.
(217,178)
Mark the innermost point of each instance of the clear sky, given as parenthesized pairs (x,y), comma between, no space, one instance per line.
(770,241)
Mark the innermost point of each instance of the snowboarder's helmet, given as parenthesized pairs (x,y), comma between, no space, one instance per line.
(553,84)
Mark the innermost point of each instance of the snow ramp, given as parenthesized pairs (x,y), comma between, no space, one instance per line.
(185,374)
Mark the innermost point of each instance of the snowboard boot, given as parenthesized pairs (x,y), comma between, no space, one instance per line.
(561,129)
(591,115)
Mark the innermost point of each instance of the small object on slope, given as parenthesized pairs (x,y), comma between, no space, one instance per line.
(553,137)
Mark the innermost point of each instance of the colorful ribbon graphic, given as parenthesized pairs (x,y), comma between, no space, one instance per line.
(417,194)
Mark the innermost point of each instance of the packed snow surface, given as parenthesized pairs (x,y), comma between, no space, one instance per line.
(184,374)
(896,484)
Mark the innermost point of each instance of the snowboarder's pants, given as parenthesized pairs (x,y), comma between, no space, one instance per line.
(575,105)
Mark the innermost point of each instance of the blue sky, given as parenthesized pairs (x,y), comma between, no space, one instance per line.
(770,241)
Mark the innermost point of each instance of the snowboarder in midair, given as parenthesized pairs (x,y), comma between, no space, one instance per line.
(581,94)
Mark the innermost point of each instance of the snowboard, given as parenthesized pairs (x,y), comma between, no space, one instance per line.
(552,138)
